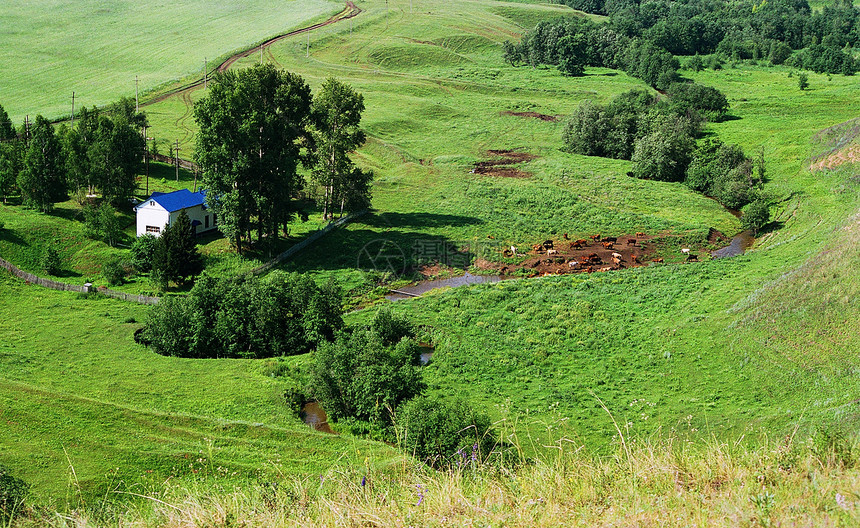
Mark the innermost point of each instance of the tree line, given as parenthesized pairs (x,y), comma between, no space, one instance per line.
(257,127)
(642,38)
(102,151)
(748,29)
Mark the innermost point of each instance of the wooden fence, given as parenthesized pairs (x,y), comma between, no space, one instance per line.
(62,286)
(313,237)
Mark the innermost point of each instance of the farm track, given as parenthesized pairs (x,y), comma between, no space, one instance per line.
(348,12)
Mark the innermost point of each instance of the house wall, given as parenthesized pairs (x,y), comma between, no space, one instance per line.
(196,213)
(151,215)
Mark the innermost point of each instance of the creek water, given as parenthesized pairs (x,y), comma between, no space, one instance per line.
(739,244)
(315,416)
(415,290)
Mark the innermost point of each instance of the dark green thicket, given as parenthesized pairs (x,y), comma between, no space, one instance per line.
(749,29)
(246,317)
(12,493)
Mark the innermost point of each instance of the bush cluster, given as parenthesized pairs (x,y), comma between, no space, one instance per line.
(245,317)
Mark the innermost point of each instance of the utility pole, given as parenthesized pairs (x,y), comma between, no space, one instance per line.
(136,93)
(176,151)
(73,109)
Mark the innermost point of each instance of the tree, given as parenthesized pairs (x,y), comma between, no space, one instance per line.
(252,129)
(11,163)
(103,223)
(76,146)
(358,376)
(43,179)
(142,252)
(115,158)
(50,261)
(337,114)
(665,153)
(176,257)
(7,130)
(755,215)
(803,81)
(444,434)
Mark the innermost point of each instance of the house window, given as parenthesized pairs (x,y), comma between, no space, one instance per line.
(206,222)
(153,229)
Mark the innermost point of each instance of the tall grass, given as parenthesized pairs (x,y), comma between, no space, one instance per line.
(658,481)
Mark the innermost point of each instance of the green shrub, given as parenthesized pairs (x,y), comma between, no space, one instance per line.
(113,271)
(755,216)
(12,493)
(444,434)
(142,251)
(50,261)
(391,328)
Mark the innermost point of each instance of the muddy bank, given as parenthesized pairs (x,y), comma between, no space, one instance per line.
(314,415)
(738,246)
(502,164)
(542,117)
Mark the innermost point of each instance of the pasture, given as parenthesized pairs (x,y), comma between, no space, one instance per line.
(753,345)
(96,48)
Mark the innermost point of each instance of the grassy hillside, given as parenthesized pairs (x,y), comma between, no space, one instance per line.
(755,345)
(96,48)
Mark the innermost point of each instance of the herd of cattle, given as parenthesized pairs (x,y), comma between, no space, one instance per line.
(597,253)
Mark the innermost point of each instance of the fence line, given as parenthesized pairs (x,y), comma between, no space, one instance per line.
(62,286)
(313,237)
(144,299)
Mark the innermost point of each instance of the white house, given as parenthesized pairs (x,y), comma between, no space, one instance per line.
(159,210)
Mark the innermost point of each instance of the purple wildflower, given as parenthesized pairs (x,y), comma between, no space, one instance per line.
(474,453)
(363,481)
(420,491)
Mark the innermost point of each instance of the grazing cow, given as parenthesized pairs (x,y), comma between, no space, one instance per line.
(566,237)
(692,258)
(514,250)
(685,250)
(573,264)
(590,269)
(610,239)
(491,237)
(595,237)
(594,258)
(547,244)
(616,261)
(636,260)
(537,248)
(617,255)
(552,252)
(640,234)
(605,268)
(631,241)
(576,244)
(657,260)
(608,245)
(507,253)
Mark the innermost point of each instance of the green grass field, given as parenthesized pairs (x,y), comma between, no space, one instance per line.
(753,345)
(95,48)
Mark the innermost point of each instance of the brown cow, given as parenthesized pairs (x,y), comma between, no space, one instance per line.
(640,234)
(577,244)
(631,241)
(566,237)
(636,260)
(657,260)
(595,237)
(610,239)
(608,245)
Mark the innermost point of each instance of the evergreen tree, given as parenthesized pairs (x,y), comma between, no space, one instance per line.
(176,257)
(43,179)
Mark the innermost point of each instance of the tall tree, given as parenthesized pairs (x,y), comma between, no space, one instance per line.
(7,131)
(176,257)
(336,133)
(76,144)
(43,178)
(115,158)
(11,162)
(252,131)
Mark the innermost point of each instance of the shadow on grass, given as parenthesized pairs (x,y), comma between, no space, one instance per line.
(12,237)
(419,220)
(770,228)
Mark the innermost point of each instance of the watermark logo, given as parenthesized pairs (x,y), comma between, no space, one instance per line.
(382,255)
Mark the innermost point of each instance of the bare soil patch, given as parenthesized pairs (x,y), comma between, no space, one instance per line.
(501,166)
(542,117)
(840,157)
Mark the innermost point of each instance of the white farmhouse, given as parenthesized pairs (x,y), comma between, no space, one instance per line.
(161,209)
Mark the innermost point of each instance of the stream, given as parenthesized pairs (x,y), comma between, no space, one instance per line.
(415,290)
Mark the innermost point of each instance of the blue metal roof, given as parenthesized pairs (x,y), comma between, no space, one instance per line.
(176,200)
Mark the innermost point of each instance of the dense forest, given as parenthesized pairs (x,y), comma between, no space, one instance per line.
(642,38)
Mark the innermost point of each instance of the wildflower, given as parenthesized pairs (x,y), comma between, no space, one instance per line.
(420,491)
(474,453)
(841,502)
(363,481)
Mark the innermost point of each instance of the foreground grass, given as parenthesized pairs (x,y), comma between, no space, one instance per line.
(648,483)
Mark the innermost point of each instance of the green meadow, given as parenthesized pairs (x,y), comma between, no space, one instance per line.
(750,346)
(96,48)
